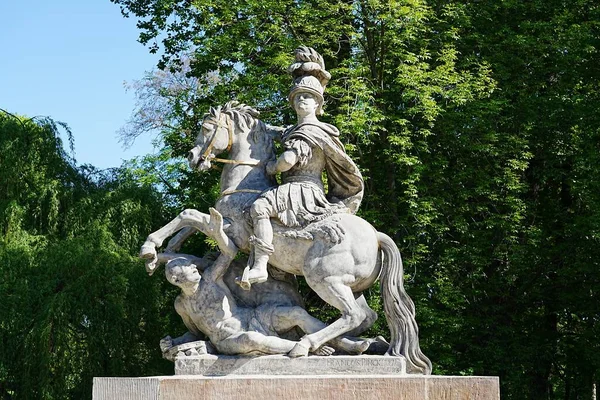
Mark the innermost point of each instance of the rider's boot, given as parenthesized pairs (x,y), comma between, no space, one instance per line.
(263,248)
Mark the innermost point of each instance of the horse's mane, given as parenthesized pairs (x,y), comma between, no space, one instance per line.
(245,117)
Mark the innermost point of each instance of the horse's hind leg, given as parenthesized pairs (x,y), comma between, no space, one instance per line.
(335,292)
(285,318)
(370,318)
(377,345)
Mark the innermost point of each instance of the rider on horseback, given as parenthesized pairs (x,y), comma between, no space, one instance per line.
(311,147)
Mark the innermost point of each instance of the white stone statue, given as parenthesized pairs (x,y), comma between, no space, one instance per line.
(235,321)
(297,227)
(311,147)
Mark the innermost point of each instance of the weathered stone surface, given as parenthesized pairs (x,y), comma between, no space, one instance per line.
(210,365)
(408,387)
(300,227)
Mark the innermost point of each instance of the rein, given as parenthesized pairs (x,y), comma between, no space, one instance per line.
(233,191)
(208,149)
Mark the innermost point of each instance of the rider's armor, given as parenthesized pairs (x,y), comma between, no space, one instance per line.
(300,199)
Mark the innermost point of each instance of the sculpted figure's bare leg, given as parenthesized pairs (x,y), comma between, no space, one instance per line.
(285,318)
(244,342)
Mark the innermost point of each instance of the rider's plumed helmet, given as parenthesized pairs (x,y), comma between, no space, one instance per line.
(308,84)
(309,75)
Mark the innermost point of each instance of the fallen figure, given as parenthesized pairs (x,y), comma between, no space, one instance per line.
(240,324)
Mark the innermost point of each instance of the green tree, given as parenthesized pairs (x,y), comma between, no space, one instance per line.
(397,77)
(477,128)
(545,59)
(76,303)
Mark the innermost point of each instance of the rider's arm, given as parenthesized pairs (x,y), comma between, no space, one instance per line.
(287,160)
(297,151)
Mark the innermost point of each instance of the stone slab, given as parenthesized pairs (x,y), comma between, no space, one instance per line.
(365,387)
(211,365)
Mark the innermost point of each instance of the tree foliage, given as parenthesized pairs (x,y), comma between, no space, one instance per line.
(476,126)
(76,303)
(474,123)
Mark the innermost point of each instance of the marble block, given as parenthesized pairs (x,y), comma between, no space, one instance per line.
(211,365)
(290,387)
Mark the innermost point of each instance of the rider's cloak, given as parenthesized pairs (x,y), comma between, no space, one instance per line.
(344,180)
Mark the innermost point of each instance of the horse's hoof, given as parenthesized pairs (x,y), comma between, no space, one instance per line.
(148,250)
(151,266)
(299,350)
(377,345)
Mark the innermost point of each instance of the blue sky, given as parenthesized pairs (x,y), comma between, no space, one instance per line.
(68,59)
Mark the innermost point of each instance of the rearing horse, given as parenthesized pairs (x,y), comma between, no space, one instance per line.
(338,266)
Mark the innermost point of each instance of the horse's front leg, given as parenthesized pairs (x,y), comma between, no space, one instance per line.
(177,241)
(211,225)
(187,218)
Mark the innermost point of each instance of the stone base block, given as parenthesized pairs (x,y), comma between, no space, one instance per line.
(211,365)
(363,387)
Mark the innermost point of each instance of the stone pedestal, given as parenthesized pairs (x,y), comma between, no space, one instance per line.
(290,387)
(211,365)
(305,378)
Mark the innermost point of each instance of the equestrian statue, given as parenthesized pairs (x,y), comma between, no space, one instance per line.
(299,227)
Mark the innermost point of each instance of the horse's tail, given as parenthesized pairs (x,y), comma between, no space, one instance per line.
(400,309)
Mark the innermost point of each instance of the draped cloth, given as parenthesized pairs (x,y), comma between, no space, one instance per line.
(300,203)
(301,199)
(344,180)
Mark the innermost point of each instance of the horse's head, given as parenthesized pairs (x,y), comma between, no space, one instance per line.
(222,127)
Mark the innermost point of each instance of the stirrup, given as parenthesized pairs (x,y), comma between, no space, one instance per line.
(243,281)
(246,282)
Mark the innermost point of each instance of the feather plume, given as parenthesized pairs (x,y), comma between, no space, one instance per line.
(309,62)
(308,54)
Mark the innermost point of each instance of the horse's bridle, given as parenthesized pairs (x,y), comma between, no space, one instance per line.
(208,149)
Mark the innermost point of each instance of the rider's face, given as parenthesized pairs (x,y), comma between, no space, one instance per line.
(305,103)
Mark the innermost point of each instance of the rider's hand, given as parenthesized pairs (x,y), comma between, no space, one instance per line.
(272,167)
